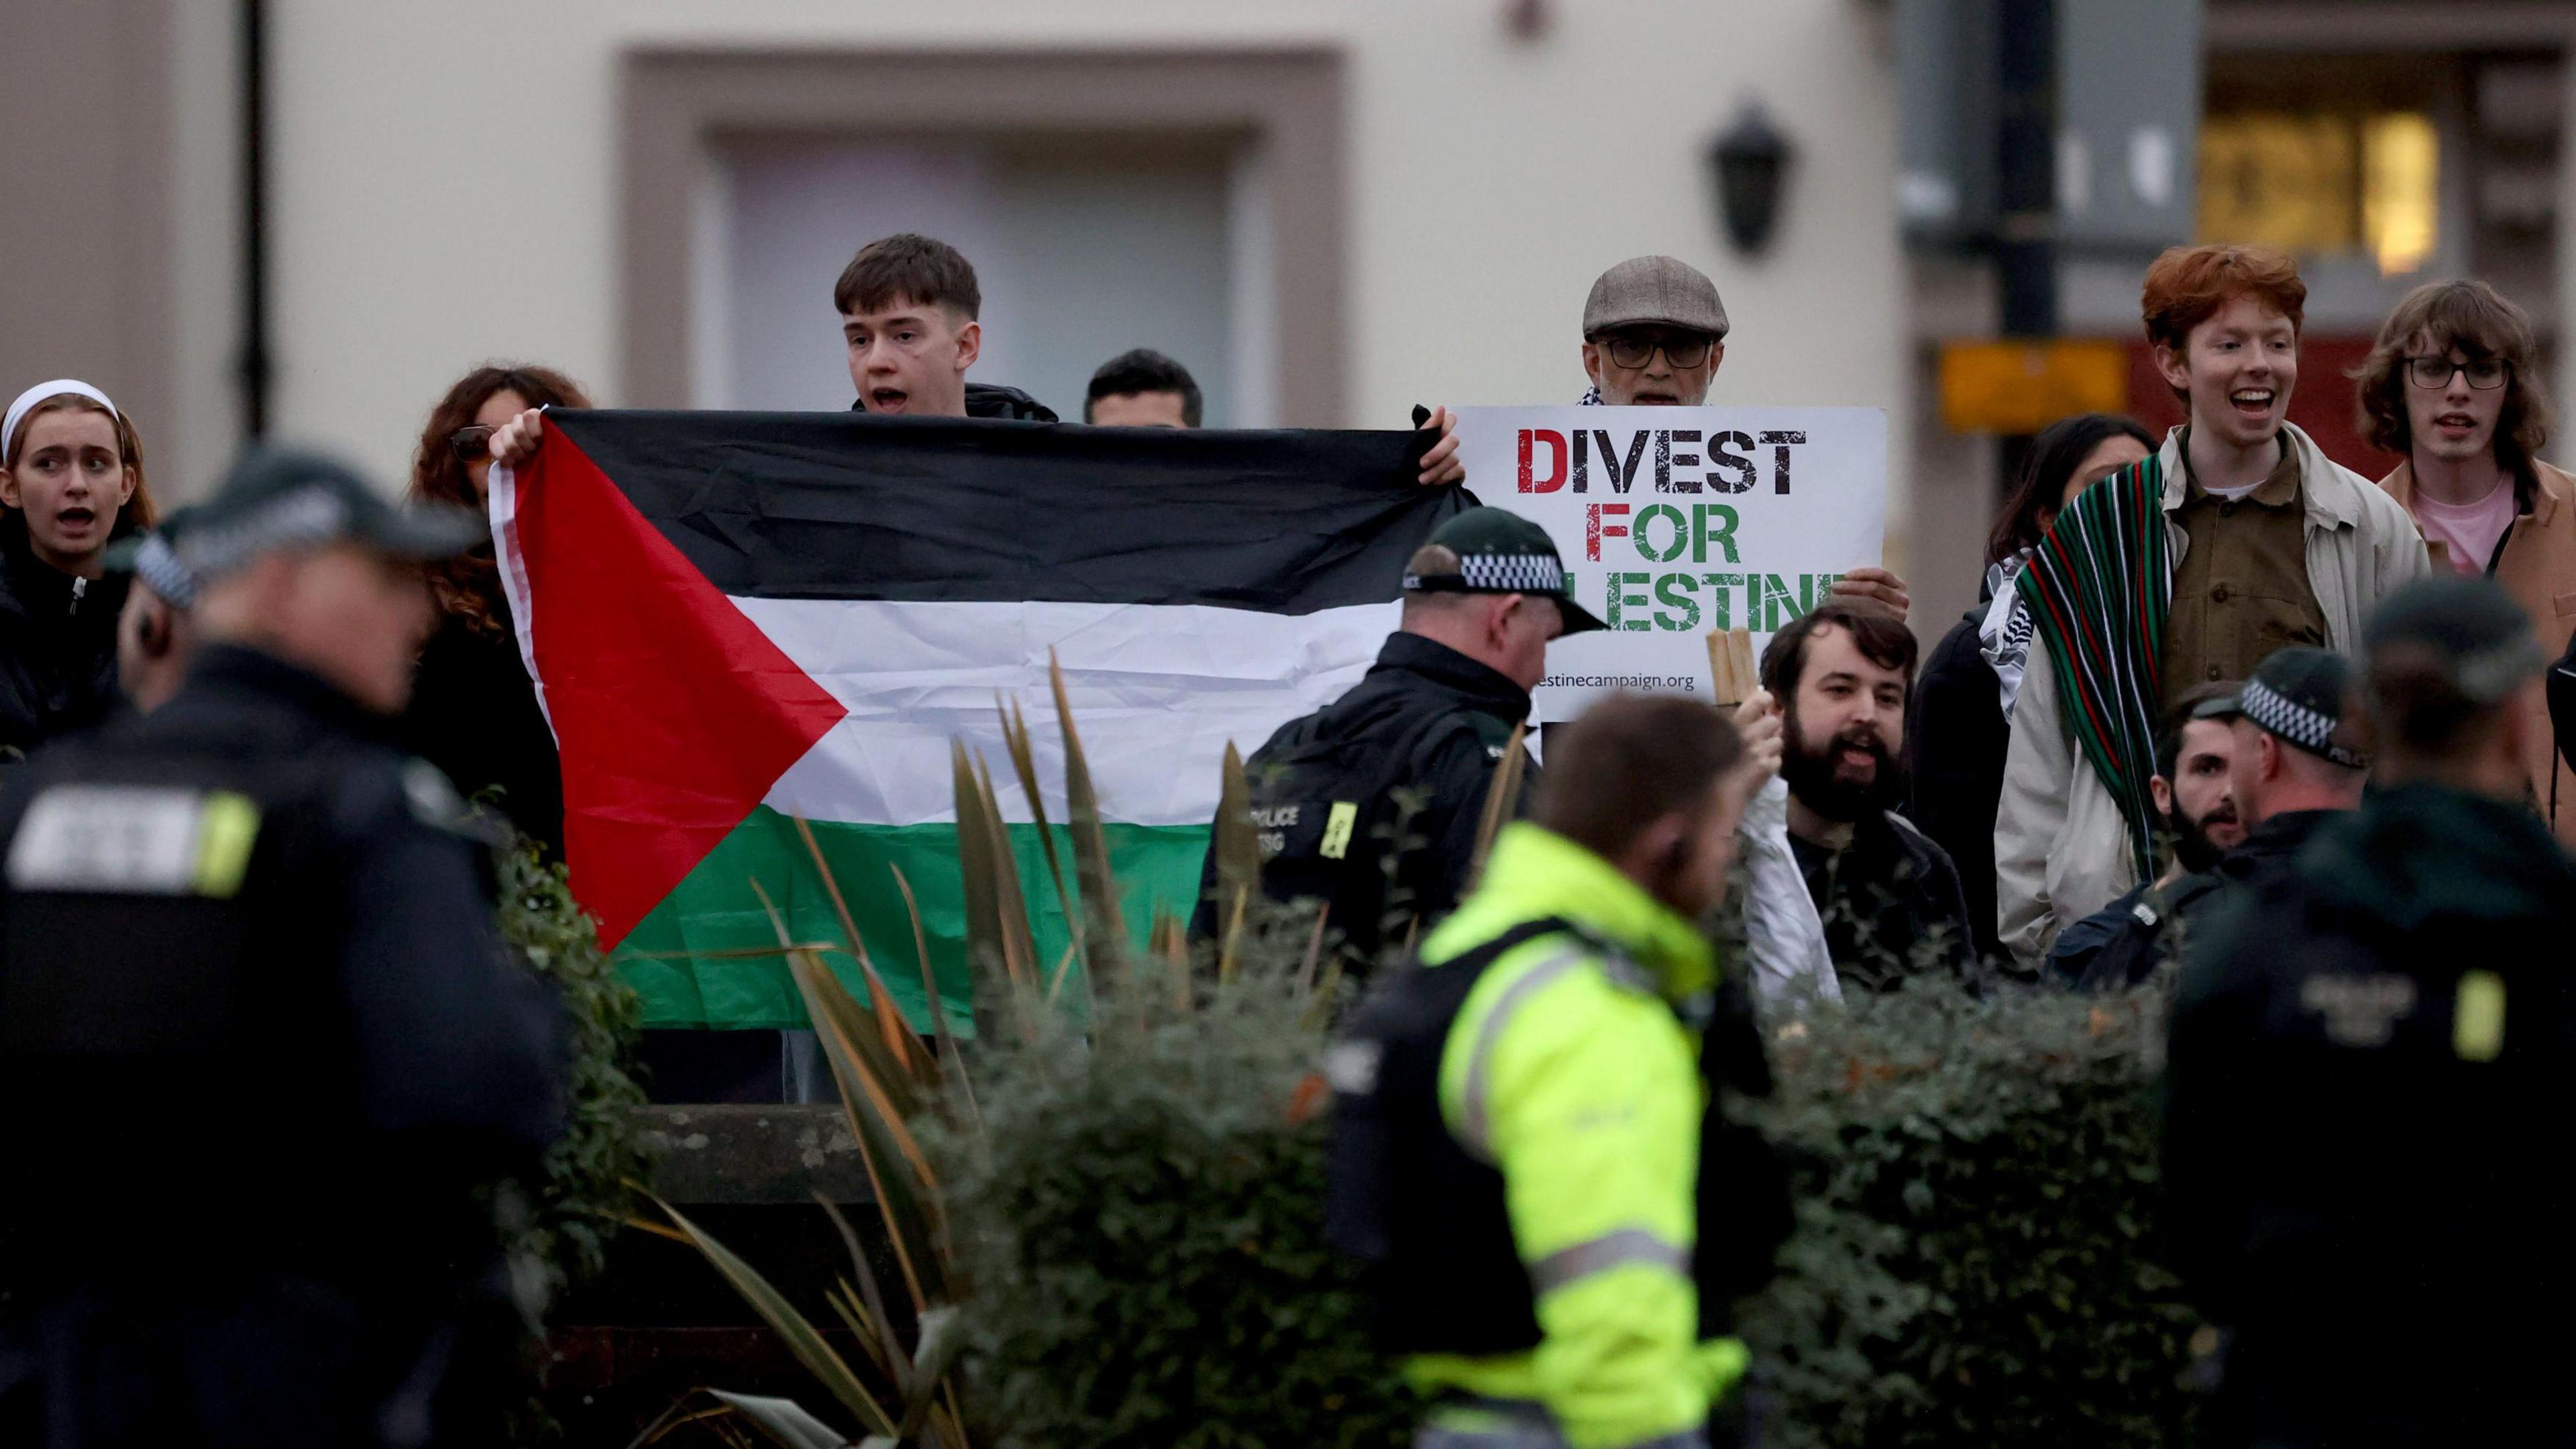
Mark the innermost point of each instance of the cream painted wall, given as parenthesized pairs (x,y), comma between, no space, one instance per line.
(445,185)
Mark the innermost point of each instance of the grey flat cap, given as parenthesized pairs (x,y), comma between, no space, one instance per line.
(1645,291)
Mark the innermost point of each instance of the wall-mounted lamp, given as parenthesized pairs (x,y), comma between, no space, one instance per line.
(1750,162)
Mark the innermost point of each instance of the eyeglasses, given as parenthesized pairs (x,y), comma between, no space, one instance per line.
(472,445)
(2485,373)
(1631,350)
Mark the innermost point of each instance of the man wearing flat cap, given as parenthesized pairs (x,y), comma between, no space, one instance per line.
(2296,764)
(1654,333)
(247,908)
(1397,769)
(2369,1066)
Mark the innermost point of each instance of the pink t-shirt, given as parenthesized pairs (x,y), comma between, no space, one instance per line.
(2467,531)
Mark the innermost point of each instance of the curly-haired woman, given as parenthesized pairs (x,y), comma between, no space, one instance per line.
(71,482)
(473,710)
(2454,384)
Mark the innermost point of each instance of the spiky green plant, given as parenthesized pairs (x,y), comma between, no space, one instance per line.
(906,1390)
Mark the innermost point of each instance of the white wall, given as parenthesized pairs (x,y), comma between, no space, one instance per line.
(446,181)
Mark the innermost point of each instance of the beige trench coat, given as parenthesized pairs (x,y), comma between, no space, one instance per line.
(2061,848)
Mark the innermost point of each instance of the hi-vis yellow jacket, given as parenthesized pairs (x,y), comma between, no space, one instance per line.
(1571,1072)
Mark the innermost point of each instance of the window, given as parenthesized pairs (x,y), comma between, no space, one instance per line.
(2324,183)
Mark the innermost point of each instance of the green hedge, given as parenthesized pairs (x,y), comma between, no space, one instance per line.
(1974,1259)
(1140,1229)
(586,1188)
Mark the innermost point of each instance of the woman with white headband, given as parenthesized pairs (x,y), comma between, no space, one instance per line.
(71,482)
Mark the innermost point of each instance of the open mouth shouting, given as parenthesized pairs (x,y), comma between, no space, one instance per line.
(2252,402)
(76,521)
(1857,759)
(887,398)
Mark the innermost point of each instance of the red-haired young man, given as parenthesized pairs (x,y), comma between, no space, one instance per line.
(2454,384)
(2238,538)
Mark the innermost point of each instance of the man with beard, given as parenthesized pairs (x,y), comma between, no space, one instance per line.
(2194,795)
(1889,896)
(2297,765)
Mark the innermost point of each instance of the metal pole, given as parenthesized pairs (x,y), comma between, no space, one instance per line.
(255,364)
(2026,180)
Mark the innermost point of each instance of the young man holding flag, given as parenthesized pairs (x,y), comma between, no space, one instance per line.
(911,318)
(2237,539)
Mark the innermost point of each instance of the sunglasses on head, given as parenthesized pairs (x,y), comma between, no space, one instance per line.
(472,445)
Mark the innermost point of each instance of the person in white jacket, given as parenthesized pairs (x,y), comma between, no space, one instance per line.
(2258,541)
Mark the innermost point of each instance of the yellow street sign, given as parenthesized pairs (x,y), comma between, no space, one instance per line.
(2022,387)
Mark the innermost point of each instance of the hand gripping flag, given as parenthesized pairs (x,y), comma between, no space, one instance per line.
(740,619)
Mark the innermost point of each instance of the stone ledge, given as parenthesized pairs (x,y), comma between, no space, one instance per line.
(753,1154)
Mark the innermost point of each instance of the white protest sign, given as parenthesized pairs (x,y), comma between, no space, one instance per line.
(1676,521)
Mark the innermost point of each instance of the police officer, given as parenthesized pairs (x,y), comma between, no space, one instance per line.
(1524,1151)
(2369,1075)
(263,1038)
(155,642)
(1398,767)
(2296,762)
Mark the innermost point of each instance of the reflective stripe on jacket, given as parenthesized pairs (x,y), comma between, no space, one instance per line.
(1569,1069)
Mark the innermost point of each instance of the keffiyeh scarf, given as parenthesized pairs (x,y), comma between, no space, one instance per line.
(2003,635)
(2097,588)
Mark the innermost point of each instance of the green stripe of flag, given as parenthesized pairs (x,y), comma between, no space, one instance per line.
(674,958)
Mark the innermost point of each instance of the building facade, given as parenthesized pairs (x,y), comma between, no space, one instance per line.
(1330,209)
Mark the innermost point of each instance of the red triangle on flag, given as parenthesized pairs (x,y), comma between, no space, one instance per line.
(673,712)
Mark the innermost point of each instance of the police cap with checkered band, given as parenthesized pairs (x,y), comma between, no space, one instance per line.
(276,499)
(2298,696)
(1500,552)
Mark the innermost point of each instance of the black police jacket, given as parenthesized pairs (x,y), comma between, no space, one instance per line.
(2122,944)
(57,646)
(2370,1063)
(1890,902)
(1398,766)
(253,1001)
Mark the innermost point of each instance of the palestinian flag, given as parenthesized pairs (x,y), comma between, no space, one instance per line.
(736,620)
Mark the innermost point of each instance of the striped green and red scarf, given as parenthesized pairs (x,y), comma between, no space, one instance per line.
(2098,587)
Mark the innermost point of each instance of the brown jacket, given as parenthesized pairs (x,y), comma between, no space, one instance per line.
(2538,567)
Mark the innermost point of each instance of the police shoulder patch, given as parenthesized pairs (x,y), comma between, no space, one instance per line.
(134,840)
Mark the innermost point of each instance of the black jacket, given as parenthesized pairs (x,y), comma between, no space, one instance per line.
(474,715)
(1424,728)
(2122,944)
(57,647)
(2370,1068)
(248,909)
(1955,743)
(991,400)
(1890,901)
